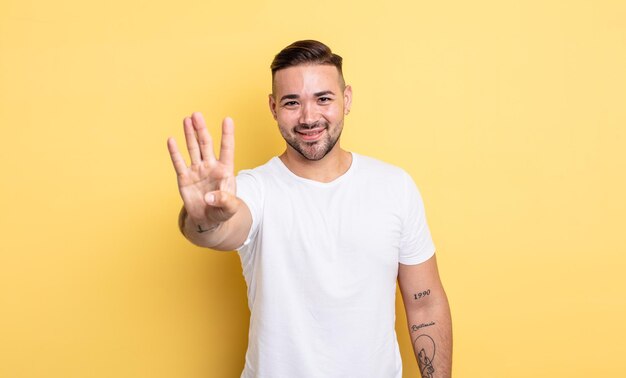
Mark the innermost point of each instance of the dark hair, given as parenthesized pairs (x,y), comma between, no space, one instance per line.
(306,52)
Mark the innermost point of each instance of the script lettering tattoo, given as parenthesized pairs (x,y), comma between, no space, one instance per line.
(422,294)
(424,345)
(415,327)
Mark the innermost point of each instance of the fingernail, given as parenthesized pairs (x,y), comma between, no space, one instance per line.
(210,198)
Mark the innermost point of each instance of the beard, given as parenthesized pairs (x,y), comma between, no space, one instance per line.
(315,150)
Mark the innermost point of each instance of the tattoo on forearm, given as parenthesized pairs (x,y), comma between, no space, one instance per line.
(425,354)
(212,228)
(415,327)
(422,294)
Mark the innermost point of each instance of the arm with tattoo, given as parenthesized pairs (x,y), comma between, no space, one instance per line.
(428,316)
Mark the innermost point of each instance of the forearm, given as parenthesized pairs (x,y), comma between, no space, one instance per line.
(216,235)
(200,233)
(430,327)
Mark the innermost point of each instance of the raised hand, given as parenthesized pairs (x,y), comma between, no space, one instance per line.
(207,186)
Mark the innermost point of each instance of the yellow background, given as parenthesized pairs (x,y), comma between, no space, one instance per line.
(509,115)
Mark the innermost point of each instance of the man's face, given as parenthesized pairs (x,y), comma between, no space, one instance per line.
(309,103)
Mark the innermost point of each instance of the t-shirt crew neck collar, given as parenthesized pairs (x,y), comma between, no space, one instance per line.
(281,166)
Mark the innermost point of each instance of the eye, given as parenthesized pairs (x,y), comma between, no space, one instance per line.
(324,100)
(290,104)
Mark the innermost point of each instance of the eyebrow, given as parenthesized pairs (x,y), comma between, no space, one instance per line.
(295,96)
(290,97)
(324,93)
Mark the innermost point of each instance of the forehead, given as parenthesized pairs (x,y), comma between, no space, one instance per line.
(306,78)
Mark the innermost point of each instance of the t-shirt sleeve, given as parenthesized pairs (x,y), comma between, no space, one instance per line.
(250,191)
(416,245)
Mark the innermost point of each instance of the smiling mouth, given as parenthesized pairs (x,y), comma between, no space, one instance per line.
(310,134)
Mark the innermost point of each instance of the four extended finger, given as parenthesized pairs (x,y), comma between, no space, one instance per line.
(227,149)
(177,158)
(206,142)
(192,141)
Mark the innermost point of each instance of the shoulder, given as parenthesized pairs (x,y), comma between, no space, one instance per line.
(385,179)
(261,169)
(378,169)
(260,173)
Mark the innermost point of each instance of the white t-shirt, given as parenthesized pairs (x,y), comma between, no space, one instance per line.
(321,264)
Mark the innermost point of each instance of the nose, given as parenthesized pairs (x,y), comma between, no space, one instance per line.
(308,114)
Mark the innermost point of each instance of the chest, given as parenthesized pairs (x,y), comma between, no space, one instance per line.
(344,225)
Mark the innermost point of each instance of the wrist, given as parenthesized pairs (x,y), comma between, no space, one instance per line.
(201,228)
(186,224)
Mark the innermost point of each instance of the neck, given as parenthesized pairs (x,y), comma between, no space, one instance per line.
(334,164)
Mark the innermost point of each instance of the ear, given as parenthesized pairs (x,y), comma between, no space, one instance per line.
(347,99)
(272,104)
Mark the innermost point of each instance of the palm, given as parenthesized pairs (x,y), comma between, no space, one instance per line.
(200,180)
(205,174)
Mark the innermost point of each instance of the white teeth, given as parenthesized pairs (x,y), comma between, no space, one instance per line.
(311,132)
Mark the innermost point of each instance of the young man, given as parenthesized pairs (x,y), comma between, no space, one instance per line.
(323,235)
